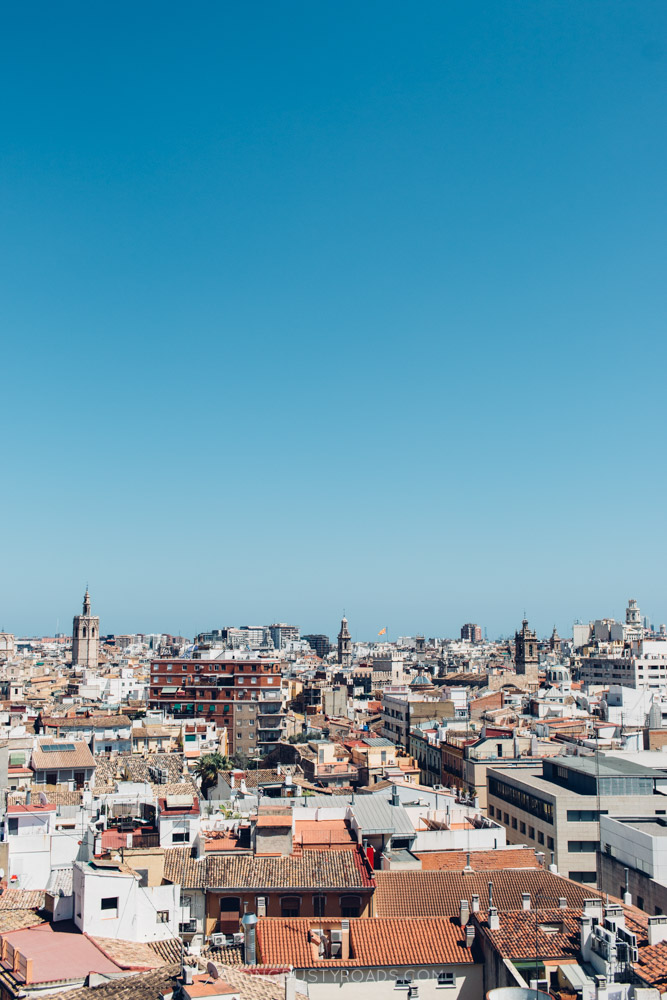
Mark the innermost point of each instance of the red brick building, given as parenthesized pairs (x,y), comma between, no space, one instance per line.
(242,696)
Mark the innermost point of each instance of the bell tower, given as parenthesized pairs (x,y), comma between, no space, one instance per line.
(526,657)
(85,637)
(344,644)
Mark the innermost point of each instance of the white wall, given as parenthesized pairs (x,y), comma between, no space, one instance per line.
(380,983)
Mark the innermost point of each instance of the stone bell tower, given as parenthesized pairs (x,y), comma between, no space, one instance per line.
(85,637)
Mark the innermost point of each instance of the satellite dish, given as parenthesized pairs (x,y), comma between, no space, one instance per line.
(212,970)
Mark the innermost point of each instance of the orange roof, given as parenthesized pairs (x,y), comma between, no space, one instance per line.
(332,833)
(380,941)
(281,821)
(480,861)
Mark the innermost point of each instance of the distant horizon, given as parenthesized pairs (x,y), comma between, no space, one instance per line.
(391,635)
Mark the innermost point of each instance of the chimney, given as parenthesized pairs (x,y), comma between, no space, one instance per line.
(552,866)
(290,985)
(470,936)
(494,920)
(562,903)
(593,908)
(464,912)
(525,900)
(490,894)
(627,895)
(586,932)
(616,913)
(187,975)
(657,929)
(394,795)
(475,902)
(28,797)
(249,924)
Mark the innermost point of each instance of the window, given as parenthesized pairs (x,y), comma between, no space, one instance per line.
(492,811)
(109,904)
(13,825)
(582,847)
(585,877)
(319,905)
(640,902)
(404,982)
(162,917)
(290,906)
(522,827)
(181,836)
(514,822)
(540,837)
(350,906)
(261,906)
(550,843)
(507,818)
(446,979)
(584,815)
(531,832)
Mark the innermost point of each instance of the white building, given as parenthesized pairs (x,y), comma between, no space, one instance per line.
(112,900)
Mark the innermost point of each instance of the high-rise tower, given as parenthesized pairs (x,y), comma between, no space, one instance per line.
(344,644)
(85,637)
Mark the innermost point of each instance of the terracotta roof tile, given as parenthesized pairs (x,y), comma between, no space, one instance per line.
(313,869)
(80,756)
(439,893)
(652,965)
(377,941)
(480,861)
(22,899)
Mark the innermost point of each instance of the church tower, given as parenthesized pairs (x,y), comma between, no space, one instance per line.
(526,658)
(555,642)
(85,637)
(344,645)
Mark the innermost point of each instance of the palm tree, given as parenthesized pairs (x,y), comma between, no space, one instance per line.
(208,767)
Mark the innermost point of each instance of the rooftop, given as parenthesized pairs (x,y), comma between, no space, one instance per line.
(377,941)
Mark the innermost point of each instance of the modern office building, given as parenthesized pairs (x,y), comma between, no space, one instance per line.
(472,633)
(556,807)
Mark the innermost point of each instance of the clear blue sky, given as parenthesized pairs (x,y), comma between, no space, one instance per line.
(312,306)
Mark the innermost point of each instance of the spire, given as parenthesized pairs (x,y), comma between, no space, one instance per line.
(86,602)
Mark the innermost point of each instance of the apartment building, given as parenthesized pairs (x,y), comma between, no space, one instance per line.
(556,807)
(638,664)
(241,696)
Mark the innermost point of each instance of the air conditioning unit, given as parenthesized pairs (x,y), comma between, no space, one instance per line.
(218,940)
(238,938)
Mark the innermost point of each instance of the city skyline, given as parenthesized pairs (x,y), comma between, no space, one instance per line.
(366,633)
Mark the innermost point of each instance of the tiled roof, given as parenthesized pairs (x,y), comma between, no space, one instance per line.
(439,893)
(56,795)
(60,879)
(652,965)
(130,954)
(426,941)
(16,920)
(480,861)
(136,767)
(313,869)
(80,756)
(22,899)
(145,986)
(515,938)
(91,722)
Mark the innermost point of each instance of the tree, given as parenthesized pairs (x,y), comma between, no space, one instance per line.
(208,768)
(240,760)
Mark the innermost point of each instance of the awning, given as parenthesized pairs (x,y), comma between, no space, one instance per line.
(169,690)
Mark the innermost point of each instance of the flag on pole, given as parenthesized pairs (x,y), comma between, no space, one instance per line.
(382,630)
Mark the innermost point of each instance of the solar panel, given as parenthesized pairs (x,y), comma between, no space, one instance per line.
(60,747)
